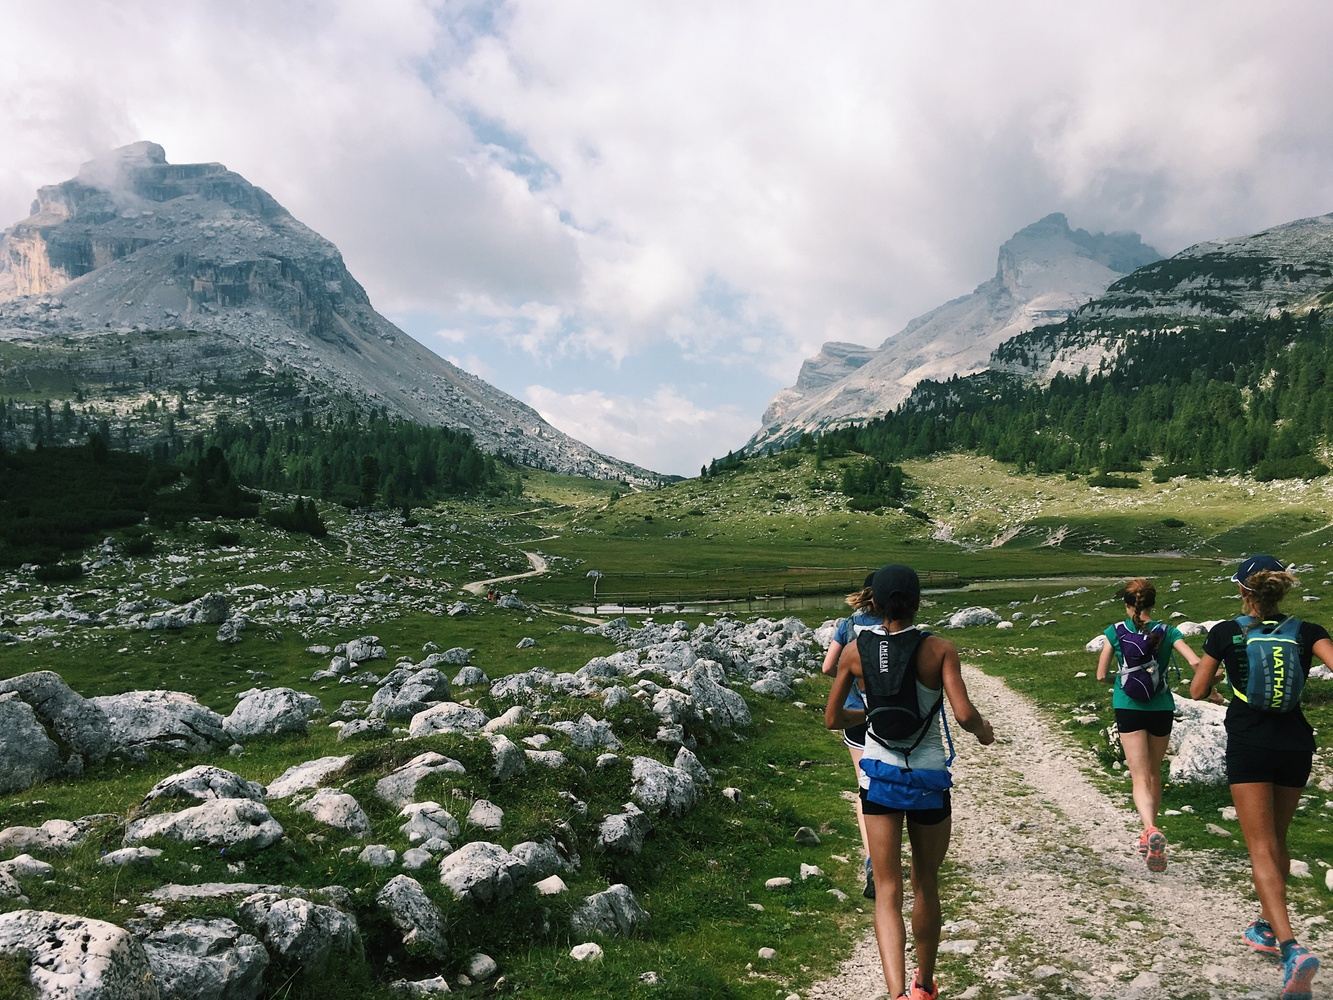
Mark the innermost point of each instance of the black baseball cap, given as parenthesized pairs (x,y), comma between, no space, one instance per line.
(1256,564)
(895,580)
(870,579)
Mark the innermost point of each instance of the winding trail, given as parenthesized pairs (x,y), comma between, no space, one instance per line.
(1063,905)
(539,567)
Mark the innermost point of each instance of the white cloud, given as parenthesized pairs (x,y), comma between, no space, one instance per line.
(662,430)
(736,182)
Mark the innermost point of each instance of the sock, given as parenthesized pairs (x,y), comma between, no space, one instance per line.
(1286,947)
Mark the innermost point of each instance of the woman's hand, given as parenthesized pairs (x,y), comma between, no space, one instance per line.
(1104,662)
(984,733)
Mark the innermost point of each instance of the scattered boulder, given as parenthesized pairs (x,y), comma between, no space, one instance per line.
(338,810)
(271,713)
(299,930)
(145,721)
(426,820)
(406,693)
(129,856)
(481,872)
(623,832)
(1198,744)
(657,788)
(206,960)
(74,958)
(27,754)
(377,855)
(589,951)
(365,648)
(363,729)
(470,676)
(240,826)
(612,911)
(971,617)
(540,860)
(399,787)
(1096,644)
(79,728)
(486,816)
(205,782)
(53,835)
(447,717)
(303,777)
(415,915)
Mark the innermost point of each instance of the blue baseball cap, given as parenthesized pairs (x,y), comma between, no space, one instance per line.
(1256,564)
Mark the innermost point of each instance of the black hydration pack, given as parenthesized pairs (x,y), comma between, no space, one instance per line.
(888,674)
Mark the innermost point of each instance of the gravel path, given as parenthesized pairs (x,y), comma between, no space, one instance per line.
(1062,905)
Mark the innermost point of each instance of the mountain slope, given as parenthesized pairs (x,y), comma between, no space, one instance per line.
(135,245)
(1044,272)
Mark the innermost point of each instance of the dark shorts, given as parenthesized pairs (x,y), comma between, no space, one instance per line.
(855,736)
(920,817)
(1287,768)
(1133,720)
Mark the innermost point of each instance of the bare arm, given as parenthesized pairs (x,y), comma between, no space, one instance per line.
(831,658)
(1205,675)
(966,714)
(849,668)
(1183,648)
(1324,650)
(1104,662)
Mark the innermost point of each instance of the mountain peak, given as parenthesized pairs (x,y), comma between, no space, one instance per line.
(1050,242)
(136,154)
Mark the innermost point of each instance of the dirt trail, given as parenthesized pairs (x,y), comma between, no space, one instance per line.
(537,561)
(1063,905)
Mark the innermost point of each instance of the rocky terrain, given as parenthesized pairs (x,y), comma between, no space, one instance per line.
(185,270)
(1044,272)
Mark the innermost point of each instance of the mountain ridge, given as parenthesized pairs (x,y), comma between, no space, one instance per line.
(1043,272)
(134,244)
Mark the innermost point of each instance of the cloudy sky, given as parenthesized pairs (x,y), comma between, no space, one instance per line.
(640,216)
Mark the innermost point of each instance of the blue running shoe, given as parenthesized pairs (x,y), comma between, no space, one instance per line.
(1260,937)
(1298,972)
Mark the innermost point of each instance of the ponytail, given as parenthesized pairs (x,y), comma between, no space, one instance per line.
(1139,594)
(1267,588)
(862,600)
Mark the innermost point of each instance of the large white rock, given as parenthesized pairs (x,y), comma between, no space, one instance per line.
(203,782)
(657,788)
(399,787)
(415,915)
(301,931)
(143,721)
(206,960)
(623,832)
(240,826)
(74,958)
(27,754)
(78,727)
(425,820)
(486,815)
(338,810)
(406,693)
(481,872)
(303,777)
(1096,644)
(612,911)
(447,717)
(53,835)
(970,617)
(271,713)
(716,704)
(1198,743)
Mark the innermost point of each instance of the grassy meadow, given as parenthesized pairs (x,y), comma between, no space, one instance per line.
(1012,543)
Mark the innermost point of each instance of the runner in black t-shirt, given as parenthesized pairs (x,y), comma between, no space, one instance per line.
(1269,757)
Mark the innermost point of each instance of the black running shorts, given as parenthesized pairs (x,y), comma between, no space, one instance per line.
(919,817)
(1286,768)
(1133,720)
(855,736)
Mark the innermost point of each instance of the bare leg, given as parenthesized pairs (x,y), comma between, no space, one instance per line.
(929,845)
(1143,756)
(1257,810)
(886,853)
(860,819)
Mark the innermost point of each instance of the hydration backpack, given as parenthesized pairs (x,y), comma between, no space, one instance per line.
(1141,676)
(1276,678)
(888,672)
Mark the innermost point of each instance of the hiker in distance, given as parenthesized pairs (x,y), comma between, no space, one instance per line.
(1143,703)
(862,603)
(906,674)
(1270,744)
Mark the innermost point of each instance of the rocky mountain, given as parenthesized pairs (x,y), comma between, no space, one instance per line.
(189,270)
(1044,272)
(1288,268)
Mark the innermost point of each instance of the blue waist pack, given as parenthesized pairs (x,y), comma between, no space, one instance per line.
(904,788)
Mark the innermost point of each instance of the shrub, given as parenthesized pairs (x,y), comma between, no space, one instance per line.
(221,538)
(139,544)
(1173,522)
(59,572)
(1105,479)
(1298,467)
(302,517)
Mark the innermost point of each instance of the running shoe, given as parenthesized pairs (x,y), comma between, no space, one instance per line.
(1156,850)
(919,992)
(1143,844)
(1260,937)
(1298,973)
(869,891)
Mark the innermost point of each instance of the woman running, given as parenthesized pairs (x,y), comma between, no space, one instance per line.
(906,675)
(862,603)
(1270,745)
(1143,703)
